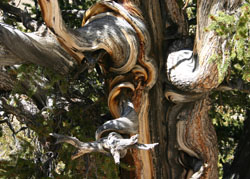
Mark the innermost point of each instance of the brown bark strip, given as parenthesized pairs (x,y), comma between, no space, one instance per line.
(145,156)
(199,137)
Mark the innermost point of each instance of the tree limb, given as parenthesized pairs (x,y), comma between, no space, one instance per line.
(197,64)
(24,116)
(3,121)
(126,124)
(8,58)
(114,143)
(118,40)
(44,51)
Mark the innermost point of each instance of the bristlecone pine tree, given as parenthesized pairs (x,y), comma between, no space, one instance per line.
(157,79)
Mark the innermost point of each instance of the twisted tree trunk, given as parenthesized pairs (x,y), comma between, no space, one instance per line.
(158,80)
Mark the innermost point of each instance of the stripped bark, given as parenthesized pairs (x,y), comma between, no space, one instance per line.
(34,48)
(127,44)
(189,76)
(159,93)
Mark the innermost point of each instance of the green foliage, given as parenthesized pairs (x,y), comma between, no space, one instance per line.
(17,153)
(233,29)
(70,18)
(191,10)
(228,113)
(229,108)
(81,119)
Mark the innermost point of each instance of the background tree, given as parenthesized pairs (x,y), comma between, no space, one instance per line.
(199,50)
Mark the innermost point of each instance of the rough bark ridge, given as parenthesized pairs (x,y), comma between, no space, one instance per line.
(189,77)
(39,48)
(114,36)
(158,92)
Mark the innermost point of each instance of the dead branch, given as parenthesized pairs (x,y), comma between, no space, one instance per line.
(29,47)
(114,143)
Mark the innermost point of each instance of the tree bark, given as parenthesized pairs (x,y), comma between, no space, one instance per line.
(40,48)
(169,28)
(167,82)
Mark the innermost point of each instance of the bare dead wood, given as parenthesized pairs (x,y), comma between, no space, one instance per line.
(197,66)
(8,58)
(30,47)
(196,136)
(114,143)
(86,39)
(127,42)
(126,124)
(191,81)
(192,74)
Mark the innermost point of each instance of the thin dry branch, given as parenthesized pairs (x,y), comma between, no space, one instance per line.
(114,143)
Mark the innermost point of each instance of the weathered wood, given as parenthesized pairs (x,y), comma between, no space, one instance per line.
(197,65)
(6,81)
(115,36)
(124,37)
(37,49)
(127,123)
(105,31)
(192,76)
(114,143)
(21,15)
(8,58)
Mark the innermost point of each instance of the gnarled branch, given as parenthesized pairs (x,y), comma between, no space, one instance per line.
(114,36)
(114,143)
(30,47)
